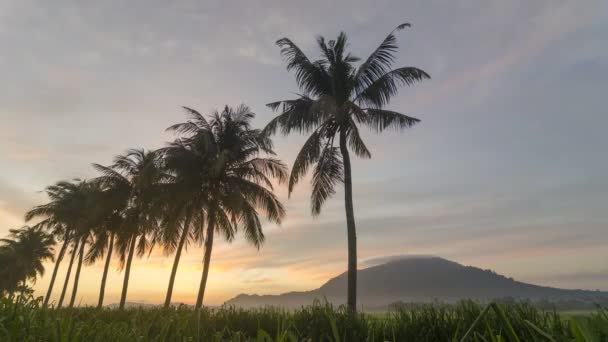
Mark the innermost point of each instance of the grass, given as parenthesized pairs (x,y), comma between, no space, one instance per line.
(23,319)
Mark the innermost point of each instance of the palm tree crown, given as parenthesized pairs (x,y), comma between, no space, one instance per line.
(336,98)
(132,186)
(224,159)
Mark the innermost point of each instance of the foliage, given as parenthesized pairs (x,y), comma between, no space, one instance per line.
(25,319)
(337,98)
(21,257)
(222,174)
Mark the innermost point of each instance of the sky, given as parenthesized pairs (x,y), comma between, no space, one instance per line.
(507,169)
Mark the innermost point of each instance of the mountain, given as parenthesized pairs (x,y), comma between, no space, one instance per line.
(421,279)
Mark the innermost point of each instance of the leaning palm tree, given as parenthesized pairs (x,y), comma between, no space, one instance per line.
(91,215)
(183,198)
(54,220)
(61,233)
(337,97)
(62,215)
(135,176)
(227,160)
(113,200)
(186,163)
(25,250)
(102,246)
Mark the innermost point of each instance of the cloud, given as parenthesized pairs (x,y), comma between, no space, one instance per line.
(375,261)
(14,202)
(260,281)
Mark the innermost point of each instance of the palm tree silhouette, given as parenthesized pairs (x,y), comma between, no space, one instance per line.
(336,98)
(89,215)
(134,178)
(111,200)
(67,210)
(23,255)
(233,176)
(54,219)
(184,197)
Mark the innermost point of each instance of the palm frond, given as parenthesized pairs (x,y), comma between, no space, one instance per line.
(307,156)
(224,225)
(311,77)
(379,62)
(328,172)
(296,116)
(379,92)
(356,143)
(260,198)
(252,226)
(381,119)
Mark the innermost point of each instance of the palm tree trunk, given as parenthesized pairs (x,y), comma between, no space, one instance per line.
(206,260)
(67,276)
(125,283)
(178,255)
(351,232)
(64,246)
(77,275)
(104,277)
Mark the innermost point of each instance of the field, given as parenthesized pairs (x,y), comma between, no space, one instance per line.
(27,320)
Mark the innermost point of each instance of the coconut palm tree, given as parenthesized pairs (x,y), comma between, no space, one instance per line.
(135,176)
(102,246)
(23,255)
(54,219)
(186,162)
(61,233)
(113,200)
(62,214)
(338,97)
(91,214)
(234,174)
(184,199)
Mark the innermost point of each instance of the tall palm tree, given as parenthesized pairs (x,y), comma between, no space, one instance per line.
(83,243)
(186,163)
(59,231)
(337,97)
(90,215)
(75,245)
(102,246)
(54,221)
(113,199)
(227,160)
(183,198)
(63,213)
(135,176)
(24,252)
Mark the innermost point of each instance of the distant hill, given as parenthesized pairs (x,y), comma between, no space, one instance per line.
(421,279)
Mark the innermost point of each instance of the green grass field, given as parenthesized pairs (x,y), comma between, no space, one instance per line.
(26,320)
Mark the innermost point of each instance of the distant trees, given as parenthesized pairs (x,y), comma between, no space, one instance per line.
(22,255)
(72,213)
(338,97)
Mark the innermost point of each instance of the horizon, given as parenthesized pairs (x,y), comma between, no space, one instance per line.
(506,170)
(367,264)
